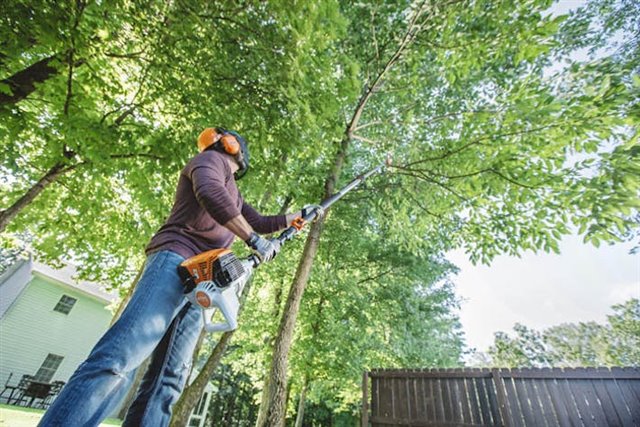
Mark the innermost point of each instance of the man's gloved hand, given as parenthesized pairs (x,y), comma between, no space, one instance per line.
(266,249)
(308,208)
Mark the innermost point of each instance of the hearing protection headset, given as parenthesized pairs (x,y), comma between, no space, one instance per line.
(228,142)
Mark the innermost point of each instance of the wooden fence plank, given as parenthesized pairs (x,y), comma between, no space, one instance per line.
(528,413)
(464,399)
(635,385)
(532,395)
(431,402)
(630,400)
(438,386)
(501,394)
(607,404)
(474,401)
(595,405)
(560,409)
(411,398)
(513,404)
(456,400)
(494,405)
(447,401)
(400,401)
(568,399)
(365,399)
(618,401)
(578,391)
(386,398)
(546,401)
(484,402)
(414,397)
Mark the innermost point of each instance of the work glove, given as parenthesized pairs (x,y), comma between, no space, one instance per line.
(265,249)
(308,208)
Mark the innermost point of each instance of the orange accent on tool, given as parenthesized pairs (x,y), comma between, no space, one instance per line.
(203,299)
(200,267)
(298,223)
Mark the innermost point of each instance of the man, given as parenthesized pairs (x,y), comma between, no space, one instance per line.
(208,213)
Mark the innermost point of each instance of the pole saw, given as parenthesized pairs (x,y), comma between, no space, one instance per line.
(214,280)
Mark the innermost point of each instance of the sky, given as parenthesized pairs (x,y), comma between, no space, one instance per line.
(541,290)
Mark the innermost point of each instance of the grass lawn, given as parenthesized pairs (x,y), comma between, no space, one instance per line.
(16,416)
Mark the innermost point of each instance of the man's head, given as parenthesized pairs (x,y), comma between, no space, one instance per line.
(227,142)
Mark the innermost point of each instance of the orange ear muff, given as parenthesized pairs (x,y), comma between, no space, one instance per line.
(230,144)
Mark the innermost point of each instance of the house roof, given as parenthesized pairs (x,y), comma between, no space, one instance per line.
(67,275)
(22,271)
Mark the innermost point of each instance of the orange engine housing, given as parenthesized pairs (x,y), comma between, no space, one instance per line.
(200,267)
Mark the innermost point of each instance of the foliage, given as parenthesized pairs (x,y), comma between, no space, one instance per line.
(119,116)
(496,151)
(614,343)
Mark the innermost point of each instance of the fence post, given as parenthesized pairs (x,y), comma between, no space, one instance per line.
(365,399)
(502,397)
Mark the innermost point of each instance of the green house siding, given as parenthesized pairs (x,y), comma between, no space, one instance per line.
(31,329)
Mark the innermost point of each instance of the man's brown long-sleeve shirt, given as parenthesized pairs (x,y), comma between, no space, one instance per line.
(206,198)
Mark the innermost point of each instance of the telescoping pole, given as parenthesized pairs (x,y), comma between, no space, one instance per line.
(290,232)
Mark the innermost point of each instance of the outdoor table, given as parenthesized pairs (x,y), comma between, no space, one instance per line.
(36,390)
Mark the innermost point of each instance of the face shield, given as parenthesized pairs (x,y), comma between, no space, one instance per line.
(242,157)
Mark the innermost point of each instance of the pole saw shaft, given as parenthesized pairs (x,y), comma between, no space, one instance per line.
(290,232)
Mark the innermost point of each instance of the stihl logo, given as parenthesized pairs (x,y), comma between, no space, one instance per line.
(203,299)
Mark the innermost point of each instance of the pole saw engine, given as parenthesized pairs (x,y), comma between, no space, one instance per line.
(214,280)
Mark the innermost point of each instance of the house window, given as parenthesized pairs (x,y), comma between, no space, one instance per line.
(65,304)
(48,368)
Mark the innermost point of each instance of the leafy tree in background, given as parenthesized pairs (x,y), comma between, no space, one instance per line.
(614,343)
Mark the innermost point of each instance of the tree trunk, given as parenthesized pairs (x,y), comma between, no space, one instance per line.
(23,83)
(193,392)
(303,395)
(273,406)
(51,176)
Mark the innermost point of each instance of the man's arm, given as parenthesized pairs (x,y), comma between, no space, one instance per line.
(266,224)
(211,193)
(239,226)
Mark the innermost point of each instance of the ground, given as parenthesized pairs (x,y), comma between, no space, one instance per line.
(13,416)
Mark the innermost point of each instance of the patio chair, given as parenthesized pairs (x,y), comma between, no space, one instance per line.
(19,389)
(8,389)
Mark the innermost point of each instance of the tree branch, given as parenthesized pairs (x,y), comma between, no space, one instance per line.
(23,83)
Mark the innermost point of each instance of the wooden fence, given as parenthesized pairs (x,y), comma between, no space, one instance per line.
(502,397)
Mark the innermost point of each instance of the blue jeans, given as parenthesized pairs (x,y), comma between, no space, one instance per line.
(158,321)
